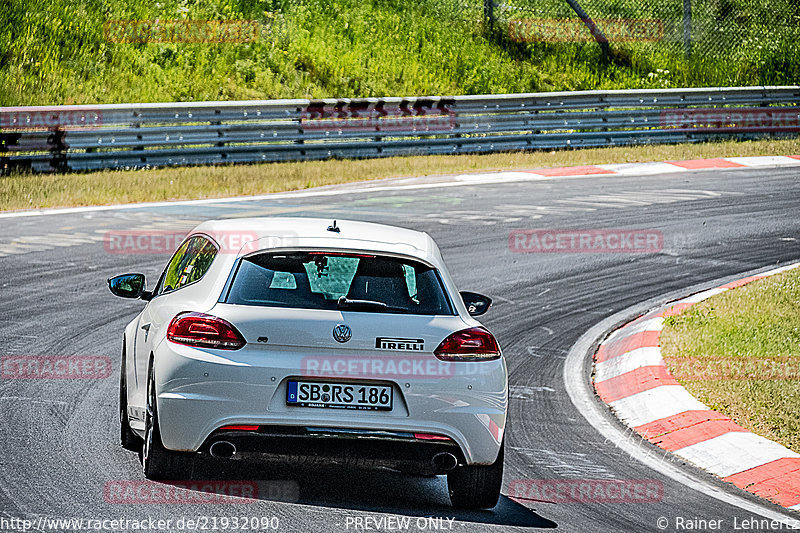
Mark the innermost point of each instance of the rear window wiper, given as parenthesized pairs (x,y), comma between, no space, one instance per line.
(346,303)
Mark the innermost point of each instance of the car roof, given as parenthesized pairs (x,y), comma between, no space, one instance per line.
(265,233)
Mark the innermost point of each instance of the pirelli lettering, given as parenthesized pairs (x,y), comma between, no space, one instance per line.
(395,343)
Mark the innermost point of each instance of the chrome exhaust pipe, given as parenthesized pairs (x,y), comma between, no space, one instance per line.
(444,462)
(222,449)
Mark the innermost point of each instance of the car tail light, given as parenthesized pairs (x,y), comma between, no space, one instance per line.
(239,428)
(473,344)
(204,331)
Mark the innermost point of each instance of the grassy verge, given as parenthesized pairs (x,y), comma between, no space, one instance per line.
(70,51)
(30,191)
(739,353)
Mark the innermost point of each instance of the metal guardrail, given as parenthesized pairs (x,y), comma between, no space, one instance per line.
(86,137)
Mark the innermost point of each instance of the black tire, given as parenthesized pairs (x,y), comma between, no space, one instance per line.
(476,487)
(158,463)
(127,438)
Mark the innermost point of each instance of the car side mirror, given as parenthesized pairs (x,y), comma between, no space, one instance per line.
(477,304)
(129,286)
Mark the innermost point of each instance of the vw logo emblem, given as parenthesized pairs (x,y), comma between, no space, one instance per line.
(342,333)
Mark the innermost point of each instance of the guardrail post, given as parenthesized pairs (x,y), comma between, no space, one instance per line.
(59,149)
(602,108)
(303,114)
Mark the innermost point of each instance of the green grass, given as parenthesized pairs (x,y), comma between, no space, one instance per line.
(739,353)
(29,191)
(55,52)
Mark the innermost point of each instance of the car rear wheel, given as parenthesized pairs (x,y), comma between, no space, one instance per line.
(478,486)
(127,438)
(158,463)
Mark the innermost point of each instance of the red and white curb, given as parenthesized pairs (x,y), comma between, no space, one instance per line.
(632,378)
(460,180)
(635,169)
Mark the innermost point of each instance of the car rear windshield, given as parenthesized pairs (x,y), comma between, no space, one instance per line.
(343,281)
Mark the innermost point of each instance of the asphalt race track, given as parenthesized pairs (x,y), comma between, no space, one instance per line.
(59,448)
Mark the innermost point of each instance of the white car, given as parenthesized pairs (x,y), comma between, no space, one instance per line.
(287,338)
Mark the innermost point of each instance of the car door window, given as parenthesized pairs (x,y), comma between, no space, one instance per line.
(189,264)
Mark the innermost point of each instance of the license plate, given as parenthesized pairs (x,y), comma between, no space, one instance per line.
(339,395)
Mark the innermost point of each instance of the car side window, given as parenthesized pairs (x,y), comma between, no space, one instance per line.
(189,264)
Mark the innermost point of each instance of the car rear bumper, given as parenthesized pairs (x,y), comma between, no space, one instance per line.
(201,391)
(325,446)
